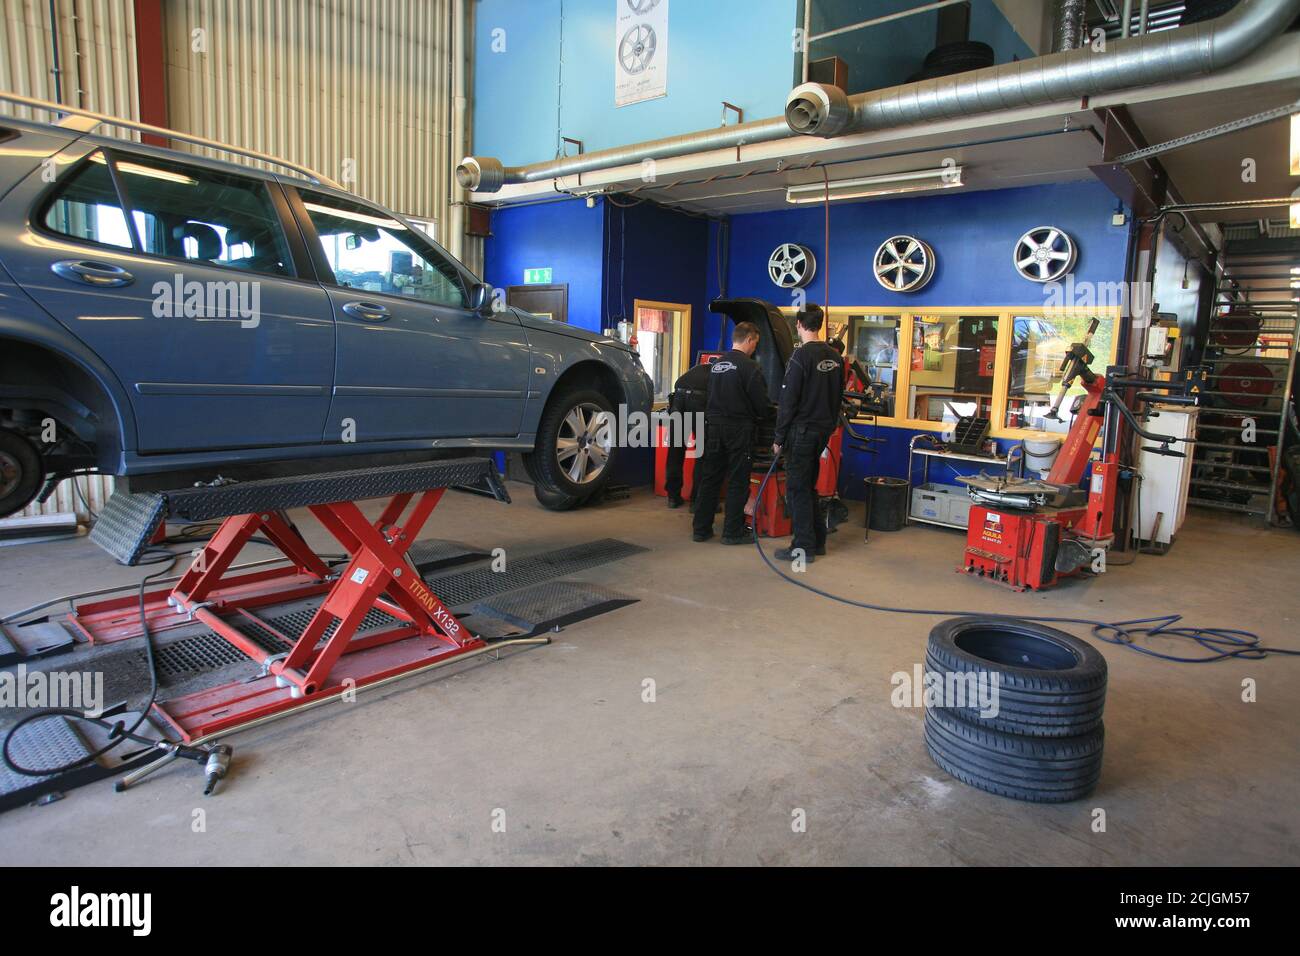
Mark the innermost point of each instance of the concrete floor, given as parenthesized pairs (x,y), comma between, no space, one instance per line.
(769,700)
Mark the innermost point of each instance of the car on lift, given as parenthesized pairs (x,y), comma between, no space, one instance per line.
(174,318)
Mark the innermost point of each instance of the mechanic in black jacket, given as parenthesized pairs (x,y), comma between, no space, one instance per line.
(809,412)
(737,402)
(689,398)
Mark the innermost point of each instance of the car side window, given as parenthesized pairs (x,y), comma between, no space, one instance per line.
(189,212)
(375,253)
(86,207)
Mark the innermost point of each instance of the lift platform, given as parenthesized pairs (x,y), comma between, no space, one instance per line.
(329,656)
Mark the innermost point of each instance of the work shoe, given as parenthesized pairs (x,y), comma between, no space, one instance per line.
(746,538)
(675,503)
(820,550)
(790,554)
(701,537)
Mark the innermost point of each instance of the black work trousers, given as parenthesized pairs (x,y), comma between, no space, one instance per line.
(728,457)
(678,432)
(803,453)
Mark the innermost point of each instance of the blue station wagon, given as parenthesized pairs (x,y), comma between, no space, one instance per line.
(173,317)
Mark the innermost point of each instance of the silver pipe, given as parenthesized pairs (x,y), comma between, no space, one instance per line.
(1193,50)
(1126,19)
(1144,14)
(1068,30)
(1070,75)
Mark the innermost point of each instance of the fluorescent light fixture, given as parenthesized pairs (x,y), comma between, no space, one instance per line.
(944,177)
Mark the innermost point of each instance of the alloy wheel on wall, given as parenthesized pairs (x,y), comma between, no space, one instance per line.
(1045,254)
(904,264)
(791,266)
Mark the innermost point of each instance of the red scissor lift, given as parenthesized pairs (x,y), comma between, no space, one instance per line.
(329,656)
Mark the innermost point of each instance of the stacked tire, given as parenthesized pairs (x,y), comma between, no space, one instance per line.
(1044,741)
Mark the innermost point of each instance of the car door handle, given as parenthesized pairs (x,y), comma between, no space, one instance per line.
(366,311)
(92,273)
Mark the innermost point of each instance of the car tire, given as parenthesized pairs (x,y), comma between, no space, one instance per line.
(1050,684)
(555,500)
(559,422)
(21,473)
(1034,769)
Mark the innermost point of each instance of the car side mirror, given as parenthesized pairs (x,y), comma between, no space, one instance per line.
(480,297)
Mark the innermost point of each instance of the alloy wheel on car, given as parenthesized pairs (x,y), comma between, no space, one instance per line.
(11,474)
(583,444)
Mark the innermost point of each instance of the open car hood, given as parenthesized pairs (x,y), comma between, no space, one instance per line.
(775,345)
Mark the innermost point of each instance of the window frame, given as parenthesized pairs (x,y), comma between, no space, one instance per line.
(325,272)
(1006,316)
(682,335)
(274,196)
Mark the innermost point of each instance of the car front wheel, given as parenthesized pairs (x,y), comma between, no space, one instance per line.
(576,448)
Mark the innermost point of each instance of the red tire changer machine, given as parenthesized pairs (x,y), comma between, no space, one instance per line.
(1027,533)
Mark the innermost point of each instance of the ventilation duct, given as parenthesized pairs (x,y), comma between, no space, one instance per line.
(1067,32)
(815,109)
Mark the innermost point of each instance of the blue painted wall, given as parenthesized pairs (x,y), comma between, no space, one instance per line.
(564,236)
(972,233)
(520,100)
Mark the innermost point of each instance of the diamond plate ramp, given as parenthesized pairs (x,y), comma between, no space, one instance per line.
(126,524)
(544,607)
(57,740)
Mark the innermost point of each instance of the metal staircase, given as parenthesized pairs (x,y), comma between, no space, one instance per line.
(1251,357)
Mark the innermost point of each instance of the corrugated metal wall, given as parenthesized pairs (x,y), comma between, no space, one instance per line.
(96,67)
(359,90)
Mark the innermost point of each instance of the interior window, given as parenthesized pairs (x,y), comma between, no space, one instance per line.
(952,358)
(188,212)
(874,343)
(1038,345)
(86,207)
(375,253)
(659,344)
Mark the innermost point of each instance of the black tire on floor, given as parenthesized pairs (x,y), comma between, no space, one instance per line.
(544,460)
(1050,684)
(1034,769)
(21,472)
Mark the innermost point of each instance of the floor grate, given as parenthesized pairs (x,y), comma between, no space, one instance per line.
(467,587)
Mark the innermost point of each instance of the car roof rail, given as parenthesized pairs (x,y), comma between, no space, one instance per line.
(83,121)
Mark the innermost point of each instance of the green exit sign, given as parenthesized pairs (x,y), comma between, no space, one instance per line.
(537,277)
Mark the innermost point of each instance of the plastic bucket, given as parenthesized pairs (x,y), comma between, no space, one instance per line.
(887,501)
(1040,453)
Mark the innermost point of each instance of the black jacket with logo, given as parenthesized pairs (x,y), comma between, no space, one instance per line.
(812,391)
(737,390)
